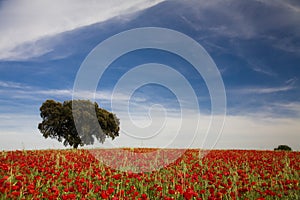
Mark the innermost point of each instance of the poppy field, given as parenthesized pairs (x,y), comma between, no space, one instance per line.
(218,174)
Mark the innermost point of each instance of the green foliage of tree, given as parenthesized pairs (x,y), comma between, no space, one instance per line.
(58,122)
(283,148)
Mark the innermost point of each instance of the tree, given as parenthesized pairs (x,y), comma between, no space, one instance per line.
(283,148)
(76,122)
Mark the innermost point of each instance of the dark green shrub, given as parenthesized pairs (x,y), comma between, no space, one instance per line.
(283,148)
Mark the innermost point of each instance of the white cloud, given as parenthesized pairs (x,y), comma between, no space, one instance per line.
(53,92)
(257,132)
(19,131)
(240,132)
(160,127)
(24,22)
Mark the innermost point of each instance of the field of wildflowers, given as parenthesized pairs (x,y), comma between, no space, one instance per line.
(219,174)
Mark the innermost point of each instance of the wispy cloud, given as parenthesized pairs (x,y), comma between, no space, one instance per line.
(13,85)
(248,20)
(262,70)
(254,101)
(288,44)
(292,5)
(53,92)
(17,88)
(263,90)
(291,81)
(292,107)
(23,23)
(33,94)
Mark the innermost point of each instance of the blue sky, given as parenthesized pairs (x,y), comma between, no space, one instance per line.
(254,44)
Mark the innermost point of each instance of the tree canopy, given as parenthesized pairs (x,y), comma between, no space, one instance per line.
(76,122)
